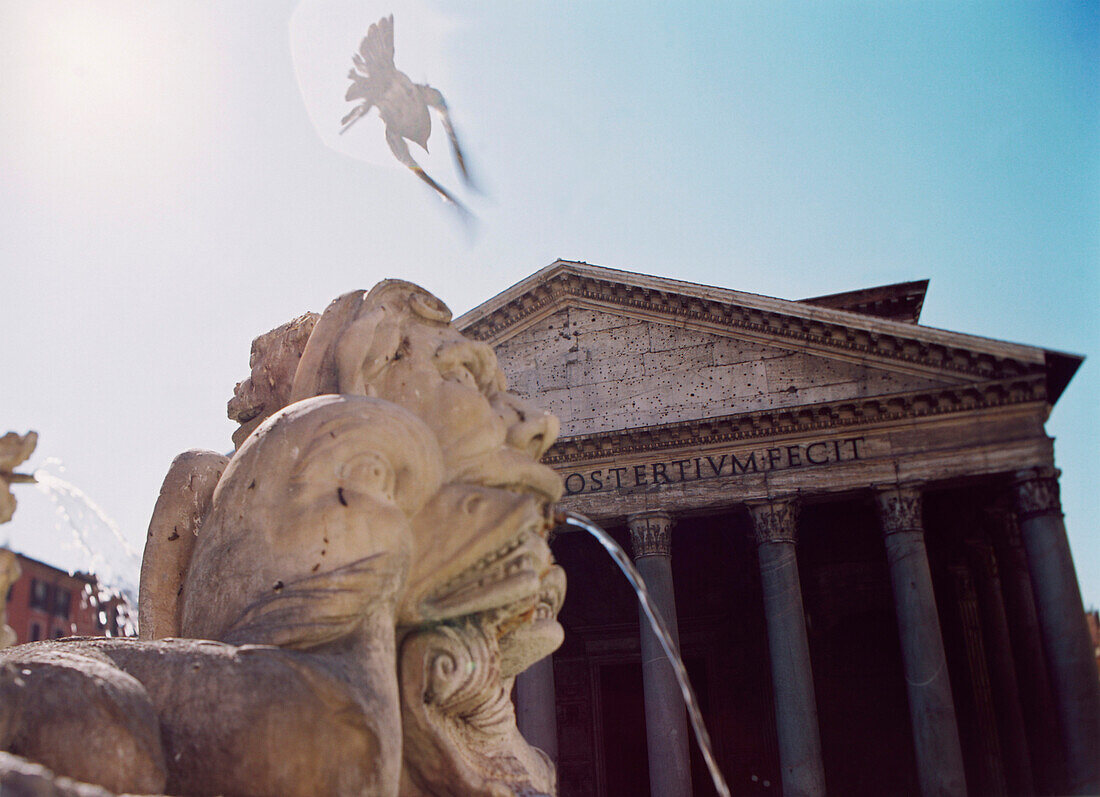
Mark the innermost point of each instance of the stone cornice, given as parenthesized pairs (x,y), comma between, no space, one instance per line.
(845,333)
(799,420)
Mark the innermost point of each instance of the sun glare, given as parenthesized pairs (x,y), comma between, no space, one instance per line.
(99,97)
(97,72)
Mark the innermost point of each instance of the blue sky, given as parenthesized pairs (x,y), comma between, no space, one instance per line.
(170,187)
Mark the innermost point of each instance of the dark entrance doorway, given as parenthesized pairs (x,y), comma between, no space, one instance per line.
(625,760)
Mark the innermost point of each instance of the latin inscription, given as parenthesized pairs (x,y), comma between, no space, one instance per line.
(715,466)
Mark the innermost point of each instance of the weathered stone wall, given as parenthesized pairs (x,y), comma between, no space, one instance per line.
(597,371)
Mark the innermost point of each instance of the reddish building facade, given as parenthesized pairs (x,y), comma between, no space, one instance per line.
(47,603)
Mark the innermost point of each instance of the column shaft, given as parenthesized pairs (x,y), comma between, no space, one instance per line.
(1002,670)
(1036,698)
(800,761)
(665,715)
(536,714)
(986,774)
(931,707)
(1062,624)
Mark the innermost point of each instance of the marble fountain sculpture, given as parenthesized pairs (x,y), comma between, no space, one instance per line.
(15,449)
(342,605)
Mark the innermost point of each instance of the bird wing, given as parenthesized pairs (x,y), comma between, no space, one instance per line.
(434,98)
(401,151)
(366,91)
(362,88)
(375,56)
(373,73)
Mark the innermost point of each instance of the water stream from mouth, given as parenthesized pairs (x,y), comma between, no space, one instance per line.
(620,558)
(87,540)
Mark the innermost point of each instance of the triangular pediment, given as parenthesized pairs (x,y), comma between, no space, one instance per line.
(599,370)
(609,350)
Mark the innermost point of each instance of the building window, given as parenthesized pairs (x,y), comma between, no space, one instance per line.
(36,632)
(58,633)
(40,595)
(62,602)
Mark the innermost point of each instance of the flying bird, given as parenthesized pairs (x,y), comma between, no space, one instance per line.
(403,105)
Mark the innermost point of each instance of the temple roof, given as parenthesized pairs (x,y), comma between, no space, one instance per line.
(877,323)
(901,301)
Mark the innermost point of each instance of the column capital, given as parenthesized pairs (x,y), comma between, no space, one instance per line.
(1036,491)
(899,508)
(650,533)
(774,519)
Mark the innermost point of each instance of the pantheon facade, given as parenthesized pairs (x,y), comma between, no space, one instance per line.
(851,522)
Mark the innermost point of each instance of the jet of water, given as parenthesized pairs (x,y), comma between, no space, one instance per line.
(618,555)
(95,544)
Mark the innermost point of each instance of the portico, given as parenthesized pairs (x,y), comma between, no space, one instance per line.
(851,519)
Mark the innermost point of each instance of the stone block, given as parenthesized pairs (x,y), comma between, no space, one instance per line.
(733,350)
(631,340)
(664,337)
(696,356)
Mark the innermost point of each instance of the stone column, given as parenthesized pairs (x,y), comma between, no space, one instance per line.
(1004,685)
(931,707)
(1061,616)
(774,525)
(665,715)
(1036,699)
(536,712)
(986,772)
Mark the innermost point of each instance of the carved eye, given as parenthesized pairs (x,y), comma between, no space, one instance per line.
(467,373)
(471,504)
(467,363)
(368,473)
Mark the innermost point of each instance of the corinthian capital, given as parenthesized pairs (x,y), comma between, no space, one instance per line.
(774,520)
(650,533)
(899,508)
(1037,491)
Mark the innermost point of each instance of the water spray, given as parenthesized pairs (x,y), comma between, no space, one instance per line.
(563,517)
